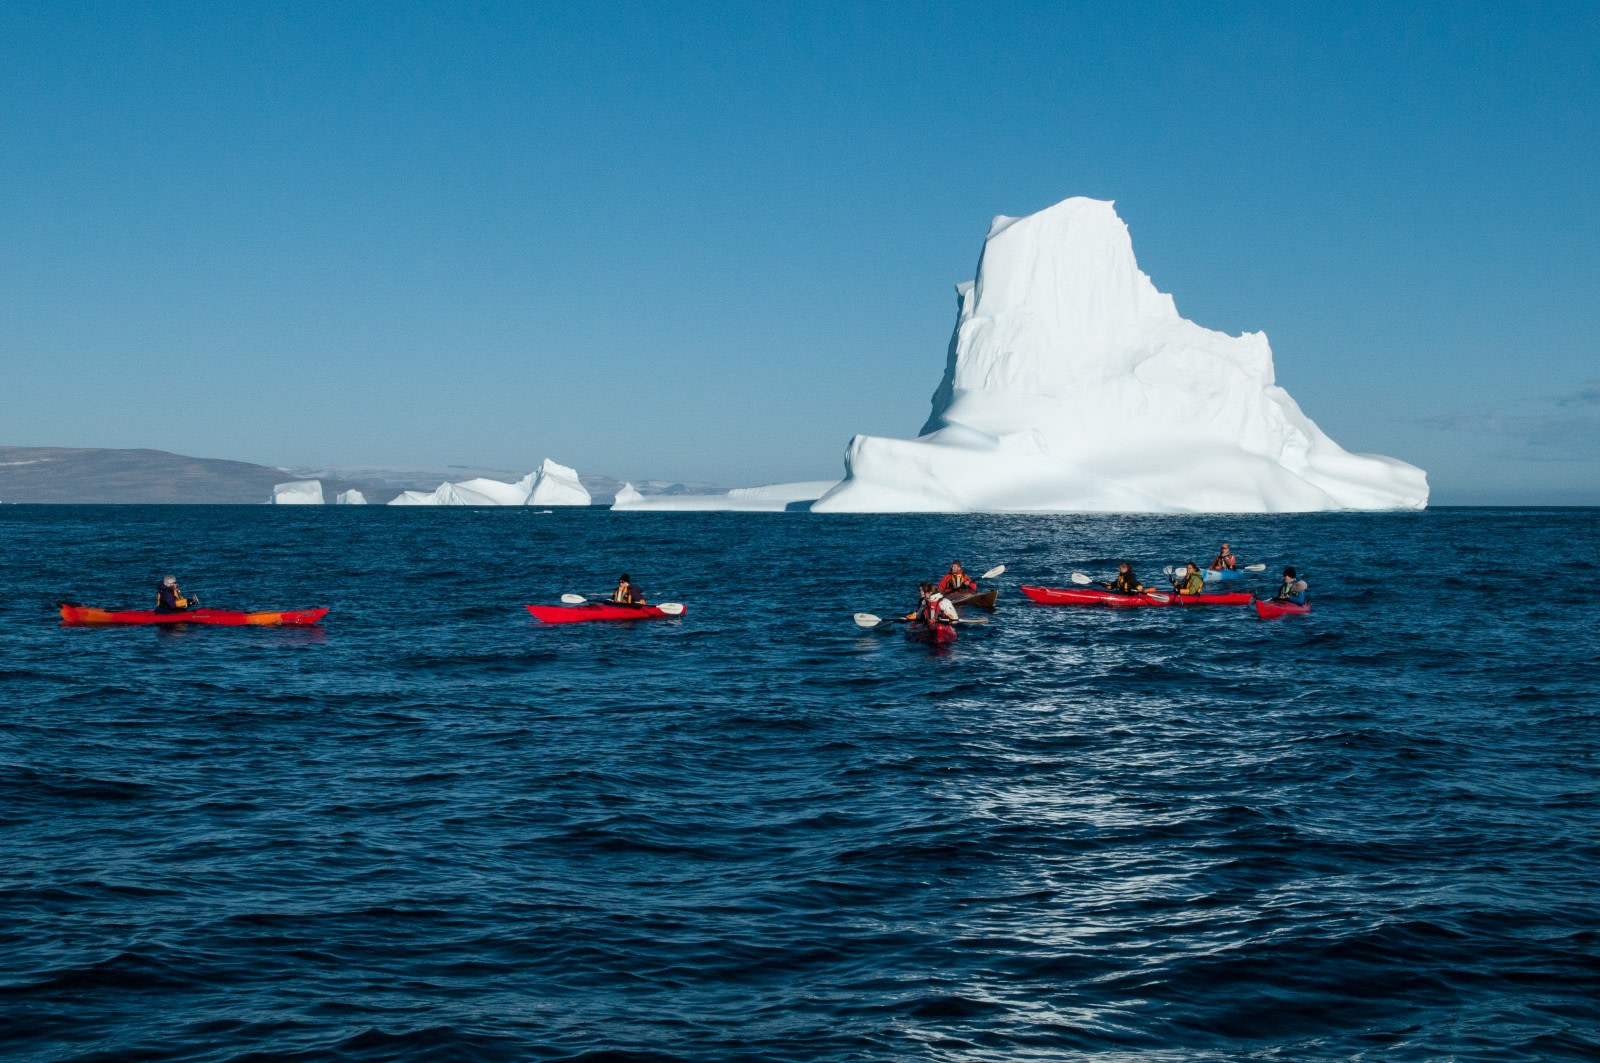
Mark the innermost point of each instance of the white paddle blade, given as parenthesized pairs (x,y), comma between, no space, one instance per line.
(1159,596)
(972,620)
(1255,568)
(1167,571)
(573,599)
(867,620)
(993,572)
(671,608)
(1080,579)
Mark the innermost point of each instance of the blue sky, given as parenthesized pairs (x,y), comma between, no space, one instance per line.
(714,241)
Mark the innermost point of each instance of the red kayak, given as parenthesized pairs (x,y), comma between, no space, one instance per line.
(1096,596)
(935,634)
(1235,598)
(78,614)
(1267,608)
(572,614)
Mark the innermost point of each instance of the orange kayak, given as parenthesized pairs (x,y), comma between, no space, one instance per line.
(79,614)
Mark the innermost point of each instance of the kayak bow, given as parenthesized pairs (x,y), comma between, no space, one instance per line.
(973,599)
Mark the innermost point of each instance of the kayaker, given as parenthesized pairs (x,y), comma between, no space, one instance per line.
(1225,560)
(1126,582)
(956,580)
(1189,581)
(627,593)
(169,599)
(1293,589)
(934,607)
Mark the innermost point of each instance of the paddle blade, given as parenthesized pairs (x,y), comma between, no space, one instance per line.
(1080,579)
(867,620)
(1159,596)
(1255,568)
(671,608)
(573,599)
(993,572)
(1167,571)
(971,620)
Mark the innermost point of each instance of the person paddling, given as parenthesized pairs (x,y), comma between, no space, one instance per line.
(169,599)
(1225,560)
(1293,589)
(934,607)
(1189,581)
(1126,582)
(627,593)
(956,580)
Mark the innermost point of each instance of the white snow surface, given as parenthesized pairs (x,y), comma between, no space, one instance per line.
(298,493)
(351,497)
(1073,385)
(772,498)
(549,485)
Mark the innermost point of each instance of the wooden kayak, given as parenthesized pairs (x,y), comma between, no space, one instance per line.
(973,599)
(79,614)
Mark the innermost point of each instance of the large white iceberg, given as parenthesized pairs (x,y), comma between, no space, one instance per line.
(352,497)
(549,485)
(1072,385)
(298,493)
(556,485)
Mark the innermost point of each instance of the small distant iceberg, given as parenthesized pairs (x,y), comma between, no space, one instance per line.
(552,484)
(297,493)
(771,498)
(351,497)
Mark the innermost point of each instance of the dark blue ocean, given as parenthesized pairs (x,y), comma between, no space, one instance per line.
(435,829)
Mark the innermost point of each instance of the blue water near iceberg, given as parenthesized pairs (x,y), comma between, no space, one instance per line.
(433,828)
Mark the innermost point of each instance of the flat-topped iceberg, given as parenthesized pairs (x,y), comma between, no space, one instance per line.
(1073,385)
(549,485)
(298,493)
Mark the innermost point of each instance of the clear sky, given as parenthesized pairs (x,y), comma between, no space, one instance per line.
(714,241)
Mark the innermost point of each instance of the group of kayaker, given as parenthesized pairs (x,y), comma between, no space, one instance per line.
(1189,580)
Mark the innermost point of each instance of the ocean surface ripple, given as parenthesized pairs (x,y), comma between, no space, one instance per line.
(433,828)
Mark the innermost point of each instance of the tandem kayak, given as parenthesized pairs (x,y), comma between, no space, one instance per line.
(78,614)
(572,614)
(1267,608)
(935,634)
(1095,596)
(1216,598)
(973,599)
